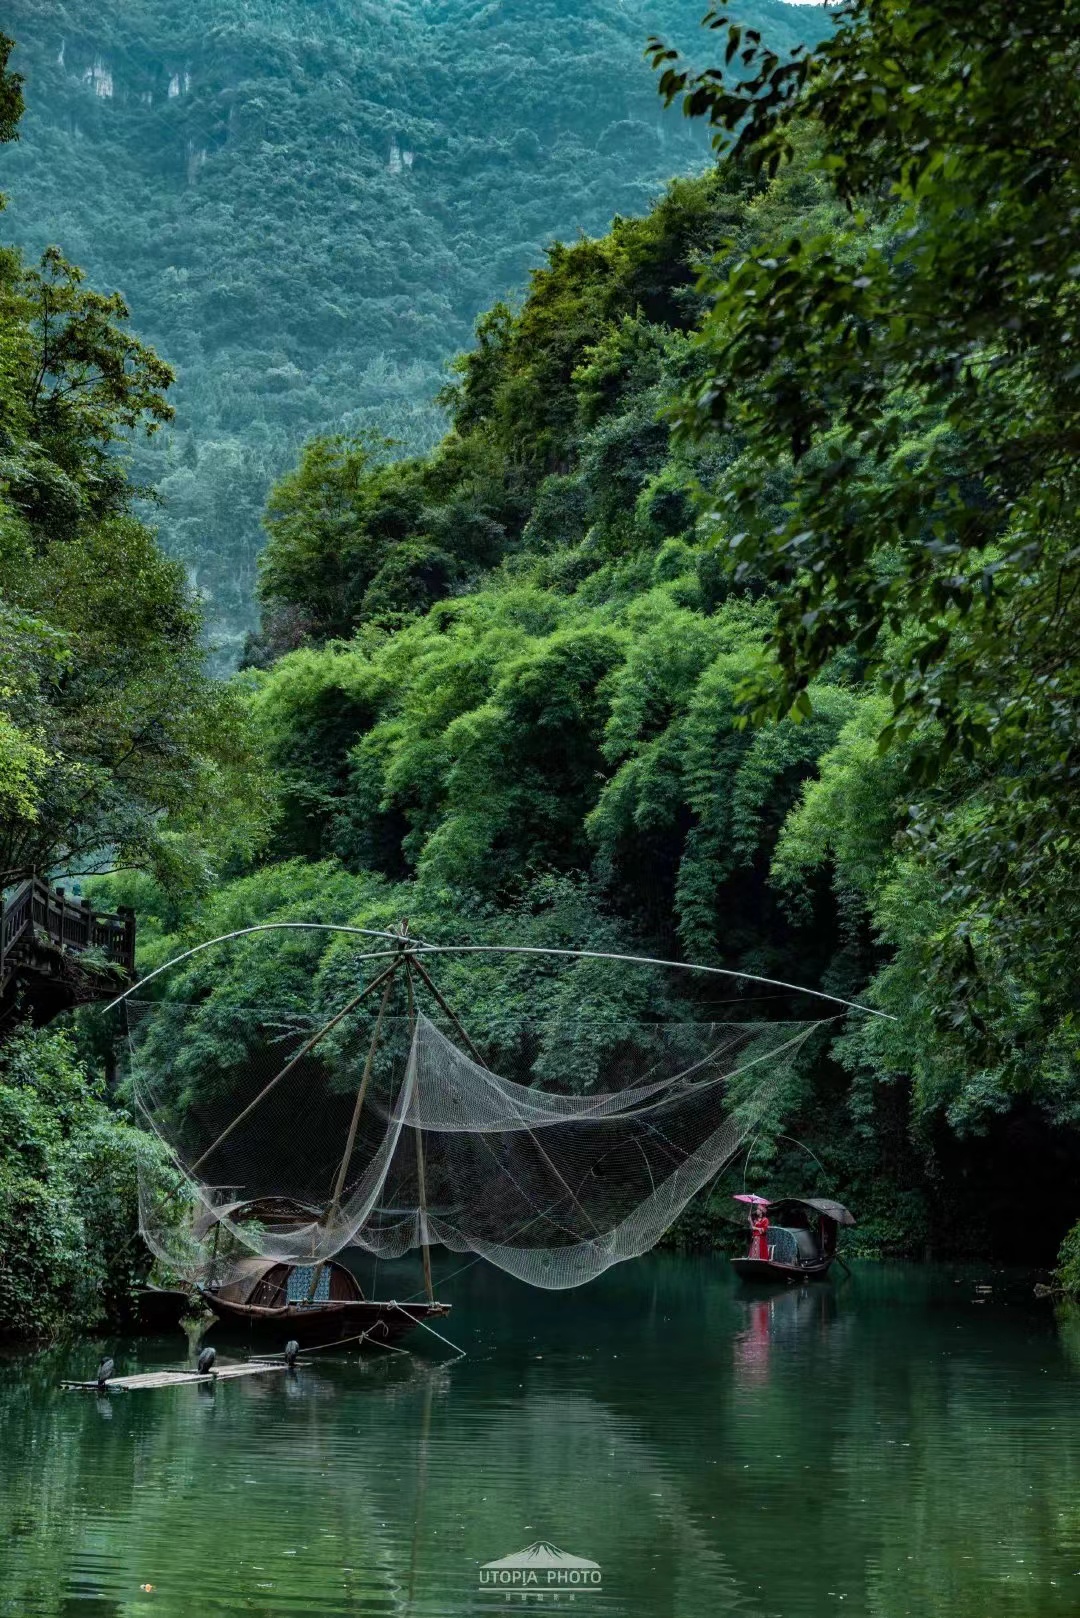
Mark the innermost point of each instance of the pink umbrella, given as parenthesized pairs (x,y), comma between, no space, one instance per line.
(749,1196)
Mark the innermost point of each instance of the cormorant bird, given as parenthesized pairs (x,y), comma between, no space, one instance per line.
(104,1372)
(206,1361)
(292,1349)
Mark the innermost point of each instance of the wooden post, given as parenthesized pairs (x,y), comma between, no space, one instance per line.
(425,1250)
(350,1142)
(128,944)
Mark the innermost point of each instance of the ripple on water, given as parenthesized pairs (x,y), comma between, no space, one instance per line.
(880,1448)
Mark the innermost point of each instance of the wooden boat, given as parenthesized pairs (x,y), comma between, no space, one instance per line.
(272,1301)
(800,1241)
(318,1302)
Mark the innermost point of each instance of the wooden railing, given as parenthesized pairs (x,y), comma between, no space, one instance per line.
(36,913)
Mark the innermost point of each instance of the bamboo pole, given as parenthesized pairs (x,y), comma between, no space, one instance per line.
(473,1052)
(339,1183)
(213,1253)
(287,1069)
(350,1142)
(425,1250)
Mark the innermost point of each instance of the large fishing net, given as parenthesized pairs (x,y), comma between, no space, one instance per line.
(293,1144)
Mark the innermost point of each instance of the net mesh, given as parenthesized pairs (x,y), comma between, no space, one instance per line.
(544,1173)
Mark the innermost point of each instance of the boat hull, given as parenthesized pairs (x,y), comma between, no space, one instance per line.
(312,1324)
(766,1269)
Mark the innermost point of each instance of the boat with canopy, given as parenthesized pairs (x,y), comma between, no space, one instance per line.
(793,1238)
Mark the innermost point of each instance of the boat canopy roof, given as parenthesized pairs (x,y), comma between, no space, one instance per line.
(819,1205)
(246,1275)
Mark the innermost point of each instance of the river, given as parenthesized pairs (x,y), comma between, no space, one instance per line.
(902,1444)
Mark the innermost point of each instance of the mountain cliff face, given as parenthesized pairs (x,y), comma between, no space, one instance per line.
(307,202)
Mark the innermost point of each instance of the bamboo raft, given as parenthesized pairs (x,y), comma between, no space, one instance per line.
(172,1379)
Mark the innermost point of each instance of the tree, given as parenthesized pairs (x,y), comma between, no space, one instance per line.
(68,1191)
(913,378)
(113,741)
(11,100)
(308,224)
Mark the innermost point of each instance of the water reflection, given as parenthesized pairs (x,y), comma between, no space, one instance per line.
(778,1319)
(882,1447)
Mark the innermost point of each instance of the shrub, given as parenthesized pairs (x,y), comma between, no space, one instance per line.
(68,1192)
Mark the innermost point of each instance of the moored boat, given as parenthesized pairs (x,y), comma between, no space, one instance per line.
(314,1304)
(795,1240)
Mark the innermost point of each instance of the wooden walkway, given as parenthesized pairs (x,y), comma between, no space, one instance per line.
(57,952)
(174,1379)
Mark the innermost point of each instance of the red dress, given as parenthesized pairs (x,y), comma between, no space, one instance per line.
(759,1247)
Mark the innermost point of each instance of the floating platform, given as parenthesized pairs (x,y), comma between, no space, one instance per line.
(173,1379)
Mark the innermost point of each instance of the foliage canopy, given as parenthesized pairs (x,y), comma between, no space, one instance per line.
(755,542)
(307,209)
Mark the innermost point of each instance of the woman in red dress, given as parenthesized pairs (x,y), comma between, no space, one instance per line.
(759,1247)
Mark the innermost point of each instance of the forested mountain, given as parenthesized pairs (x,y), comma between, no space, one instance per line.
(733,618)
(730,623)
(307,205)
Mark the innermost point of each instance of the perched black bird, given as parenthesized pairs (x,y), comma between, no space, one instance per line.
(104,1372)
(206,1361)
(292,1349)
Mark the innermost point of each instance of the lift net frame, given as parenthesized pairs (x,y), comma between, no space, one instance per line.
(514,1154)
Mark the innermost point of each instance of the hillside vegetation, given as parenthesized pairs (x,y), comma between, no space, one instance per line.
(306,206)
(729,622)
(114,742)
(732,619)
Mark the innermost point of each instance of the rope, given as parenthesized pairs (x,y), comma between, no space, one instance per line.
(460,1352)
(479,1259)
(340,1342)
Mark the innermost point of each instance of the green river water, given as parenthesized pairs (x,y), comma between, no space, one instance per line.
(897,1444)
